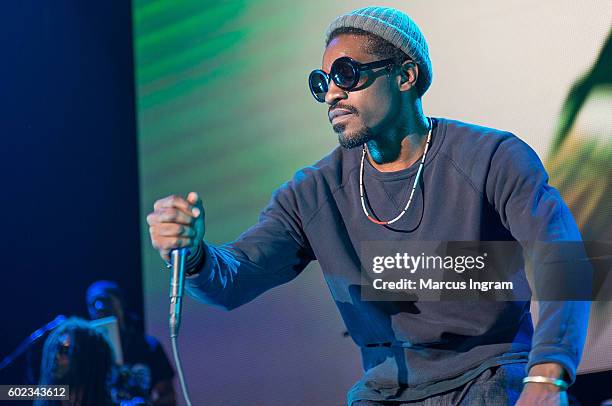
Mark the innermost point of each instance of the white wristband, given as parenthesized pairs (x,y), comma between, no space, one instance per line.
(560,383)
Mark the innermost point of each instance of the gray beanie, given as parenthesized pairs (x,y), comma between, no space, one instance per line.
(397,28)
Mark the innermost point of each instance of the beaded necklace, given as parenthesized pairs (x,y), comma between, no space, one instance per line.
(416,181)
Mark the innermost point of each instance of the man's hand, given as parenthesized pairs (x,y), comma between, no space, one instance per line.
(176,223)
(543,393)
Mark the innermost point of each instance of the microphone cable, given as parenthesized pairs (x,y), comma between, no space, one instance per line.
(179,370)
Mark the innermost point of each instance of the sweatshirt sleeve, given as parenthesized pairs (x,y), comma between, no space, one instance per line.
(533,211)
(270,253)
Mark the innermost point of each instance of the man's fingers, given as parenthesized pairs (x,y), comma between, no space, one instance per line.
(172,243)
(174,202)
(170,216)
(172,230)
(175,223)
(194,199)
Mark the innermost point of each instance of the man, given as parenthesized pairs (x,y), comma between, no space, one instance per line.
(142,354)
(400,176)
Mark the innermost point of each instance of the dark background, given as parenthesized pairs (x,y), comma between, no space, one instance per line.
(70,201)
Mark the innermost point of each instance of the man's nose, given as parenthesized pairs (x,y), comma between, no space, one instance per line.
(335,94)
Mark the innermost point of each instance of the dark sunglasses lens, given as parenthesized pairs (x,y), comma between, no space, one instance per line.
(344,73)
(317,81)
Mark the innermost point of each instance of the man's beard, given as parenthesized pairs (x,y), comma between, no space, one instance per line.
(356,139)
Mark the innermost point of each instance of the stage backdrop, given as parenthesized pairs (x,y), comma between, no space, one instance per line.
(224,109)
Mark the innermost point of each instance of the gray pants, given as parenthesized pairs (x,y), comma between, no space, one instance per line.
(497,386)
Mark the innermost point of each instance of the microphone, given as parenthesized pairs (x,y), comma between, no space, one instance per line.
(177,285)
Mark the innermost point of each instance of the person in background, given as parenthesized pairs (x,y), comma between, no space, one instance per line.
(77,355)
(142,353)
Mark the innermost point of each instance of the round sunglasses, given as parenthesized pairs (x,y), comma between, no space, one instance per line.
(345,72)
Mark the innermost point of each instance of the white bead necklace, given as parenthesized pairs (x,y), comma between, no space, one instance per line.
(416,181)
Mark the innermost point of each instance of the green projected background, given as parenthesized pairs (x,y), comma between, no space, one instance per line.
(221,101)
(223,109)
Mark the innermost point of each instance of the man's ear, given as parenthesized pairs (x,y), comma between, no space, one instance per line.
(409,74)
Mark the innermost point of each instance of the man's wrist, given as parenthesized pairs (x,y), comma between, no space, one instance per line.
(194,261)
(548,376)
(549,370)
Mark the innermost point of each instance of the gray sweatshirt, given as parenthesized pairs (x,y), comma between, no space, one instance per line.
(479,184)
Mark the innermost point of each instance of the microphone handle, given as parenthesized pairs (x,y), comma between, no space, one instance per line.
(177,285)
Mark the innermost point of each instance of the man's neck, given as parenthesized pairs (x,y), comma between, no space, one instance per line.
(399,150)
